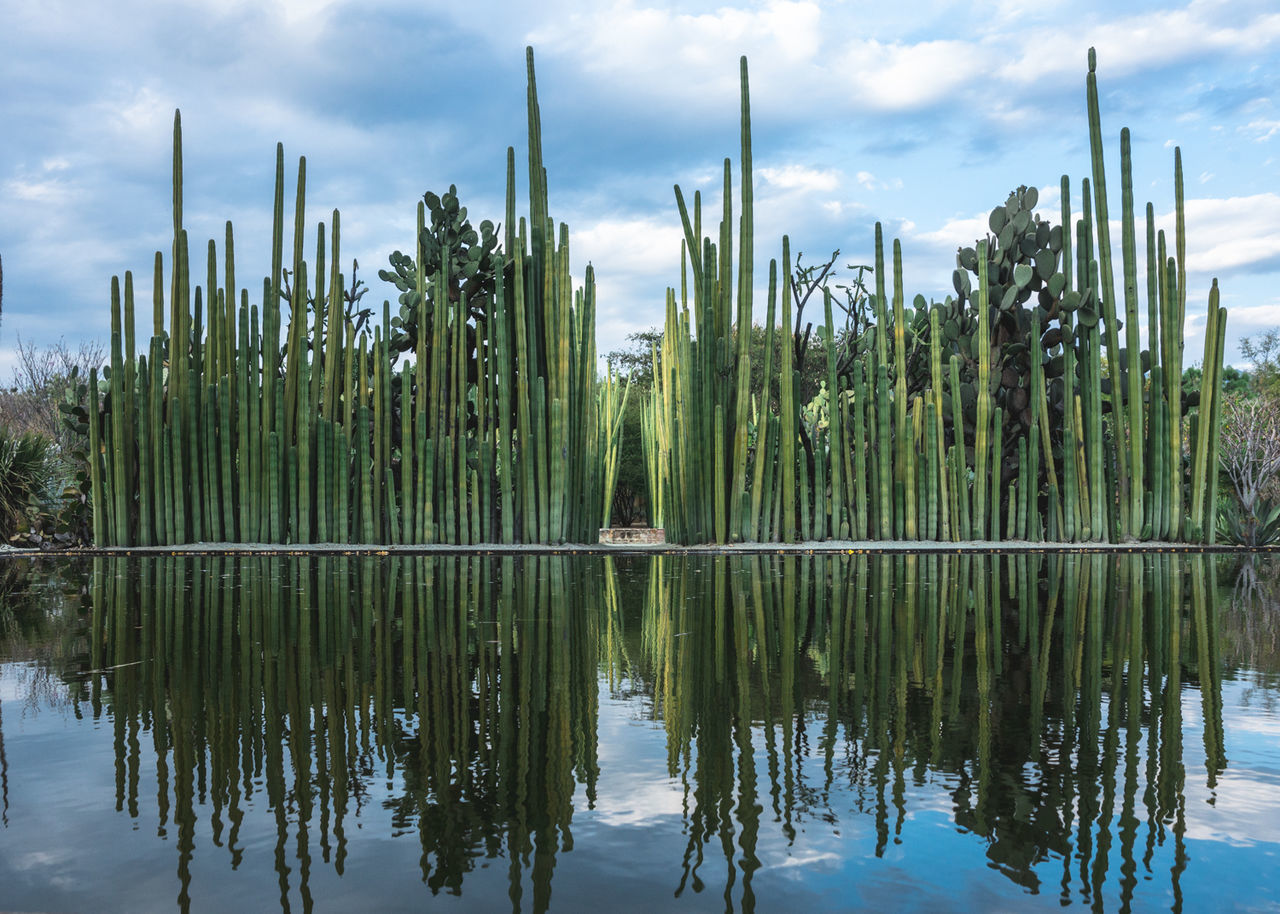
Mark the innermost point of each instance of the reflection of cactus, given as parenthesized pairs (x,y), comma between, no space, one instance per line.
(315,672)
(895,669)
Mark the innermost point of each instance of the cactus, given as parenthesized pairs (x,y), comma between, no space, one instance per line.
(241,438)
(498,427)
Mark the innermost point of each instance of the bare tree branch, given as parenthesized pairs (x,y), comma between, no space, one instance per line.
(1250,445)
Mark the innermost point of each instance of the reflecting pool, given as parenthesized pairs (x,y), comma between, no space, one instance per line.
(724,733)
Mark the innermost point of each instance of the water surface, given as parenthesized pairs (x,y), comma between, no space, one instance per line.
(702,733)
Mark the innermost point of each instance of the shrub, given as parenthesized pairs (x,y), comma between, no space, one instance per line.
(26,474)
(1249,456)
(31,401)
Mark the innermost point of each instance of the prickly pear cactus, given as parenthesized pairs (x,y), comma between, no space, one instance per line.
(1024,268)
(448,240)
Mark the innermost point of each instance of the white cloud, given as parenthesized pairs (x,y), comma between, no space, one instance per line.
(619,40)
(37,190)
(635,260)
(799,52)
(956,231)
(1265,129)
(799,177)
(1131,44)
(1232,233)
(1249,318)
(900,76)
(869,181)
(647,246)
(146,111)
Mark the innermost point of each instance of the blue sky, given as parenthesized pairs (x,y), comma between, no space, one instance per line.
(920,115)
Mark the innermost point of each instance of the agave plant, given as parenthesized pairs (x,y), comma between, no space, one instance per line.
(1259,527)
(25,473)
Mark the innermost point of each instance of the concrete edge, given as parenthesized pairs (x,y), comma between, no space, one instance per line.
(832,547)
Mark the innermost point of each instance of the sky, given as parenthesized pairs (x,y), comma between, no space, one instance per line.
(922,116)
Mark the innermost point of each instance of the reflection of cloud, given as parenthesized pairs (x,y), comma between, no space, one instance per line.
(1244,810)
(641,804)
(807,858)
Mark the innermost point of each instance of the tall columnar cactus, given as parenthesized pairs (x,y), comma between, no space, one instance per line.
(1011,409)
(698,423)
(991,416)
(499,430)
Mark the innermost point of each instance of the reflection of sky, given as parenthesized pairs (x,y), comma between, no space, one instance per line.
(67,847)
(1243,810)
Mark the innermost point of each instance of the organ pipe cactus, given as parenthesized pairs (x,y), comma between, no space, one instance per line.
(989,417)
(1024,433)
(227,435)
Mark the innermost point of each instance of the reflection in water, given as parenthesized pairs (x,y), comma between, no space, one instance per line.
(471,685)
(38,638)
(1042,695)
(1045,693)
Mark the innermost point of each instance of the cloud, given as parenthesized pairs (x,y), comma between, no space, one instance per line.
(618,40)
(799,177)
(1152,39)
(629,246)
(859,115)
(956,231)
(1232,234)
(902,76)
(1263,128)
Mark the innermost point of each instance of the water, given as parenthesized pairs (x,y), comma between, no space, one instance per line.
(707,733)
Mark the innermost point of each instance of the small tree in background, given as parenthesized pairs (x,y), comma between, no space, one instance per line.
(630,494)
(1264,352)
(32,399)
(1250,451)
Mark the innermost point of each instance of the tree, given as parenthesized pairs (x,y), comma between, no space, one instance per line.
(1250,455)
(636,361)
(40,383)
(1234,381)
(1264,352)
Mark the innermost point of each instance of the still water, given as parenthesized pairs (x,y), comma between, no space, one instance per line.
(638,734)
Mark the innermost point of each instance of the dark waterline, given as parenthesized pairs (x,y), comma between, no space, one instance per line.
(701,733)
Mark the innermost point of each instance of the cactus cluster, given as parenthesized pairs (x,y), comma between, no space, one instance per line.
(1011,411)
(473,416)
